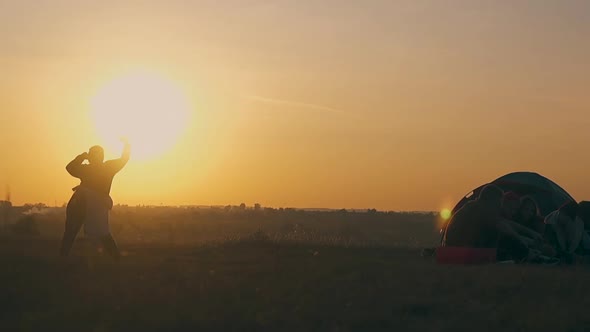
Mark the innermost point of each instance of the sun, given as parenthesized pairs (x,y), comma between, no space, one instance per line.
(147,109)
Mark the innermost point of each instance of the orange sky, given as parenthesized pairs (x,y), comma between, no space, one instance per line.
(400,105)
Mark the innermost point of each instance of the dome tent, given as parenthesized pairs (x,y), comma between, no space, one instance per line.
(548,195)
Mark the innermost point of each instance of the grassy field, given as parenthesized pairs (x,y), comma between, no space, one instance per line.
(264,281)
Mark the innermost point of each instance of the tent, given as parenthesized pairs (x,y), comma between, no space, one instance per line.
(548,194)
(549,197)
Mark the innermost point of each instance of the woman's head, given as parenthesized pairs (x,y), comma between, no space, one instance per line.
(96,154)
(528,208)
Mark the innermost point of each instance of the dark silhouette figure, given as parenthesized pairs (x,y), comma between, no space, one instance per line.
(529,216)
(96,180)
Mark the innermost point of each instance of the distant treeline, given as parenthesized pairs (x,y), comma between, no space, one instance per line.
(181,225)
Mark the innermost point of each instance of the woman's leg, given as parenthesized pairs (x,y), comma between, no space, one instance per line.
(75,213)
(110,246)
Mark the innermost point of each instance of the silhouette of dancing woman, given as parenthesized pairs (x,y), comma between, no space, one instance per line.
(91,202)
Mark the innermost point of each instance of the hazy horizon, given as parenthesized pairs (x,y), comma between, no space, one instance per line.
(393,105)
(248,207)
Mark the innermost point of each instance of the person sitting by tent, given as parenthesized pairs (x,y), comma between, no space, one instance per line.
(566,231)
(524,211)
(479,224)
(529,216)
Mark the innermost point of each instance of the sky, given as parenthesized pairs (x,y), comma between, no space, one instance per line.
(394,105)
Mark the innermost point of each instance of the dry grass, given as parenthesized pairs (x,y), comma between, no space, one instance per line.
(259,280)
(181,226)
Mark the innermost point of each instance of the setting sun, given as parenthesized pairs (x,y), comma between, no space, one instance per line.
(147,109)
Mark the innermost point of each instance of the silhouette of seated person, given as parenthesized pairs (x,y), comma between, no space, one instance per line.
(565,230)
(91,200)
(528,215)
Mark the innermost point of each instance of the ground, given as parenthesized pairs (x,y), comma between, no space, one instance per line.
(259,285)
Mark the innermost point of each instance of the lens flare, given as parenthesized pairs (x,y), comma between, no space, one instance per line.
(445,214)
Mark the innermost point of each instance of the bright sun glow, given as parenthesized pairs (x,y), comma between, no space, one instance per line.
(148,110)
(445,214)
